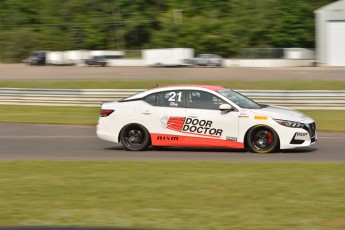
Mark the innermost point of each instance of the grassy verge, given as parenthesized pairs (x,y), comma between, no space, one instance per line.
(326,120)
(291,84)
(174,195)
(49,114)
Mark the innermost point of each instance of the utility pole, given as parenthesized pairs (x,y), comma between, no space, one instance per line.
(177,14)
(118,34)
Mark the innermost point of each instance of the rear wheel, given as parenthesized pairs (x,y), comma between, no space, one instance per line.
(262,139)
(135,137)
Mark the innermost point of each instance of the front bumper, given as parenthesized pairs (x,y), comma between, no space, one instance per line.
(297,137)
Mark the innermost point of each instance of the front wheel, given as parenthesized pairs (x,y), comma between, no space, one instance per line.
(135,137)
(262,139)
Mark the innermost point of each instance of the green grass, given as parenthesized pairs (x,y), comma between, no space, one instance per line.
(172,195)
(291,84)
(49,114)
(327,120)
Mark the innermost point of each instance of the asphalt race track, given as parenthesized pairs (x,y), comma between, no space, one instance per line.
(76,143)
(22,72)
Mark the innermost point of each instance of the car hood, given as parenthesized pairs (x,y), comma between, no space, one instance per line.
(277,112)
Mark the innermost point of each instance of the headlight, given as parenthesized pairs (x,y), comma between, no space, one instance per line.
(291,124)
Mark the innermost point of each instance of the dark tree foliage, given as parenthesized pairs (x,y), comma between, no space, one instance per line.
(208,26)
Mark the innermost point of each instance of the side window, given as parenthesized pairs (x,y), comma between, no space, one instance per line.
(203,100)
(156,99)
(151,99)
(166,99)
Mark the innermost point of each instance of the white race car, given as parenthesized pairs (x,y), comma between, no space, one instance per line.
(202,116)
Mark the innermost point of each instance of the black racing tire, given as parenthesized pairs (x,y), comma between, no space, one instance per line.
(262,139)
(135,137)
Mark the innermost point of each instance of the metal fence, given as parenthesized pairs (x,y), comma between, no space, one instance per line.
(277,53)
(298,99)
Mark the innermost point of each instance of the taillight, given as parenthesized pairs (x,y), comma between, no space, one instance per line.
(106,112)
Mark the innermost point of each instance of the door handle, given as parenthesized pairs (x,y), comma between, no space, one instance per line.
(193,115)
(146,112)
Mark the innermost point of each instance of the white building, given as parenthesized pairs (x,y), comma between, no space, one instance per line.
(330,34)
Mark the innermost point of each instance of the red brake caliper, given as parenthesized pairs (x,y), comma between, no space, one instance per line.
(270,137)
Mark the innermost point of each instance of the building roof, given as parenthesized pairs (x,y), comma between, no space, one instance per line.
(334,6)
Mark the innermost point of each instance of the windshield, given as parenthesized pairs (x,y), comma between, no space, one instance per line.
(239,99)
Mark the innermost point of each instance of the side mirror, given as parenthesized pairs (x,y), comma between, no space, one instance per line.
(225,107)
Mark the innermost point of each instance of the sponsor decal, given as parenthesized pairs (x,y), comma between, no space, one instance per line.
(200,127)
(175,123)
(191,125)
(231,138)
(261,118)
(164,121)
(192,141)
(301,134)
(173,104)
(167,138)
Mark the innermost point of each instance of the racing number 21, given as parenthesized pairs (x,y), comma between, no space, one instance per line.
(172,96)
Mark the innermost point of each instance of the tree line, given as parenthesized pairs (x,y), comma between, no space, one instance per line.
(208,26)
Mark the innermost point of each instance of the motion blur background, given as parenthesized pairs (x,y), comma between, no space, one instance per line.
(54,171)
(228,28)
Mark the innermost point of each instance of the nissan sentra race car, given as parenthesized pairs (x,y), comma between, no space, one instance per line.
(202,116)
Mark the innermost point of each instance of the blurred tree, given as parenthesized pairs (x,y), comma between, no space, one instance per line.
(208,26)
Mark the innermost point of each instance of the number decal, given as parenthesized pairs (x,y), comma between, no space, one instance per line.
(172,96)
(179,96)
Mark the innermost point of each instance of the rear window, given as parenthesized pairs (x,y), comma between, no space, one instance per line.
(166,99)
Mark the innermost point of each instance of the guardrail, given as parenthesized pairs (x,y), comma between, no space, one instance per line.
(298,99)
